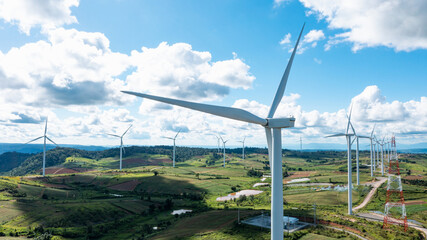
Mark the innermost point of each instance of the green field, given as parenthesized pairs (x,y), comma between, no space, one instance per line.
(100,202)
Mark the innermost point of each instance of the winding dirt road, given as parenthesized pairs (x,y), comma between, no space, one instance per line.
(368,198)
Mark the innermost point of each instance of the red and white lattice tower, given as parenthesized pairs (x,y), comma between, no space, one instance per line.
(395,211)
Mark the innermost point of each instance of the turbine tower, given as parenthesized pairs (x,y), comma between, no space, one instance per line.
(223,144)
(349,167)
(356,138)
(300,143)
(371,138)
(218,138)
(243,148)
(121,144)
(44,146)
(174,146)
(273,129)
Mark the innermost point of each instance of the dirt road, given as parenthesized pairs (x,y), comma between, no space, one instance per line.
(375,186)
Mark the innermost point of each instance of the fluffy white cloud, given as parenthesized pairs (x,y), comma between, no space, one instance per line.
(397,24)
(71,68)
(29,13)
(179,71)
(308,41)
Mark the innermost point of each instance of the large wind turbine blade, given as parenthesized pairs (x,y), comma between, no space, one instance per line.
(363,137)
(336,135)
(127,130)
(354,131)
(168,138)
(45,127)
(227,112)
(349,118)
(114,135)
(51,140)
(177,133)
(372,133)
(35,139)
(282,85)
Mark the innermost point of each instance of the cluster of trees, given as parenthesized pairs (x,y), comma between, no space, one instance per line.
(254,173)
(11,160)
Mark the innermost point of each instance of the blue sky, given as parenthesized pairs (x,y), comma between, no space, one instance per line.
(219,52)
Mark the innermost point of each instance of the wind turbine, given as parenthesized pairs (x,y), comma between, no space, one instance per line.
(174,146)
(243,148)
(371,138)
(218,138)
(44,146)
(273,129)
(300,143)
(382,156)
(121,144)
(356,137)
(223,144)
(374,144)
(349,167)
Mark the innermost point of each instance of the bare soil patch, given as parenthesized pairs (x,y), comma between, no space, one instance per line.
(56,170)
(413,177)
(126,186)
(415,202)
(299,174)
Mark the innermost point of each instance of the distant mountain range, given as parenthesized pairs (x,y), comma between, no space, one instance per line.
(36,148)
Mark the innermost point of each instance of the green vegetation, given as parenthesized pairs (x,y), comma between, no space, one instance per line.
(85,197)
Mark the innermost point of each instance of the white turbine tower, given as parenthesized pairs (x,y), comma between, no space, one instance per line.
(44,146)
(243,148)
(121,144)
(382,156)
(356,138)
(223,144)
(373,145)
(174,146)
(218,138)
(371,138)
(349,167)
(273,129)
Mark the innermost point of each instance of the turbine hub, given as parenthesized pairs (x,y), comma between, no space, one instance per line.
(280,122)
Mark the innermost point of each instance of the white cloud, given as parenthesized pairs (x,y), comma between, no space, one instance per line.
(286,39)
(179,71)
(397,24)
(314,36)
(30,13)
(308,41)
(278,3)
(71,68)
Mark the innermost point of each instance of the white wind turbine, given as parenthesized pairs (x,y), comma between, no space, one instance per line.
(349,167)
(218,138)
(371,138)
(273,129)
(174,146)
(356,138)
(243,148)
(381,143)
(121,144)
(223,144)
(44,146)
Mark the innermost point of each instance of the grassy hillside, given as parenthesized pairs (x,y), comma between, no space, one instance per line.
(84,196)
(11,160)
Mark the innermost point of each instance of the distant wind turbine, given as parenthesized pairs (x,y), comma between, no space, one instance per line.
(371,138)
(349,167)
(273,130)
(218,138)
(300,143)
(223,144)
(243,148)
(121,144)
(356,137)
(44,146)
(174,146)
